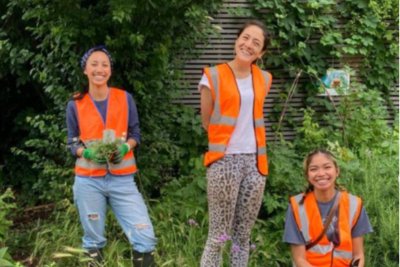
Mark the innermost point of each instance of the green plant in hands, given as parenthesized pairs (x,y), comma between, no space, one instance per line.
(104,152)
(120,153)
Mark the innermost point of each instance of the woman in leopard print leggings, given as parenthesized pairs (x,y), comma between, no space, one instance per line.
(232,98)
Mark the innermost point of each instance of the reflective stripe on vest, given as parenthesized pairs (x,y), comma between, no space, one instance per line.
(353,210)
(90,165)
(320,254)
(322,249)
(224,117)
(216,116)
(91,126)
(342,254)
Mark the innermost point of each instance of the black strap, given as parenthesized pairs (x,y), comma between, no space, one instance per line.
(327,222)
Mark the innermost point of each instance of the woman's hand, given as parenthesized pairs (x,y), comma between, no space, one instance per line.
(90,154)
(358,250)
(120,153)
(299,256)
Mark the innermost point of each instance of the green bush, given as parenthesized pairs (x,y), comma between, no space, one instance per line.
(181,221)
(360,120)
(149,55)
(40,46)
(6,206)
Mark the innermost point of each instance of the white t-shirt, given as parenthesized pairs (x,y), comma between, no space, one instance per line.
(243,139)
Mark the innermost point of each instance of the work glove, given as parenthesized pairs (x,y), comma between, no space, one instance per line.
(120,153)
(90,154)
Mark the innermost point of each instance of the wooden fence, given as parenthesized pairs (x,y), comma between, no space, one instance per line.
(220,49)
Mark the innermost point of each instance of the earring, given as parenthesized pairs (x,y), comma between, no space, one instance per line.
(258,63)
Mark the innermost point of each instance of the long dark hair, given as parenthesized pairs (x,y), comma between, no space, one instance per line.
(306,164)
(79,95)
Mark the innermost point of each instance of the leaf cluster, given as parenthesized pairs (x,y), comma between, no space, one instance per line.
(41,43)
(105,150)
(312,36)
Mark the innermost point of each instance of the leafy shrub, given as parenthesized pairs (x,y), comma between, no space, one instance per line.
(373,176)
(148,57)
(6,206)
(360,120)
(310,135)
(46,151)
(40,64)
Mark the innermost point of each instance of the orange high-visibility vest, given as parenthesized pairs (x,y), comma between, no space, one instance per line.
(91,126)
(226,98)
(309,221)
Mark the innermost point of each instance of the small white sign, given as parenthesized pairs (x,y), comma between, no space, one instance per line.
(335,82)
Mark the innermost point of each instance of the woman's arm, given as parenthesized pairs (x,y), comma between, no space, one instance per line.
(358,250)
(73,132)
(206,104)
(132,143)
(133,123)
(299,256)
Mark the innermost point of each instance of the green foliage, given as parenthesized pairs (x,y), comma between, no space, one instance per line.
(373,176)
(371,32)
(188,193)
(360,120)
(310,136)
(41,43)
(306,36)
(56,241)
(293,26)
(40,46)
(6,206)
(5,259)
(105,150)
(180,214)
(45,150)
(285,179)
(174,144)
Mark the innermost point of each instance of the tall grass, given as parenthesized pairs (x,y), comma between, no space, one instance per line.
(57,241)
(379,190)
(371,175)
(181,221)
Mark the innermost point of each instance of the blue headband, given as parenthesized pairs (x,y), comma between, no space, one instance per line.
(87,54)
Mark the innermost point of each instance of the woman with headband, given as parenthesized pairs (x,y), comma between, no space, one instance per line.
(102,181)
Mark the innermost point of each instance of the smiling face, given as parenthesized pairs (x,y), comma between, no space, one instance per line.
(322,173)
(98,69)
(250,44)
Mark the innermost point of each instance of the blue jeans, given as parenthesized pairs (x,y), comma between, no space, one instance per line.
(91,195)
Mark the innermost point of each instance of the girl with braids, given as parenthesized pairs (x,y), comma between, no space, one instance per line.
(325,225)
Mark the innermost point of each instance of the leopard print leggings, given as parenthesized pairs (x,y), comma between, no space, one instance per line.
(235,190)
